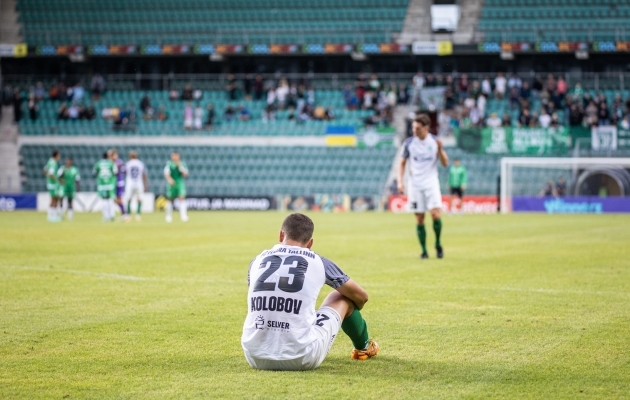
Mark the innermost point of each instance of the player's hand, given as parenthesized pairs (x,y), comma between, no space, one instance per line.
(463,187)
(401,188)
(171,181)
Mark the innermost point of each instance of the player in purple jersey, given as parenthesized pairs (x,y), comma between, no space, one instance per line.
(120,183)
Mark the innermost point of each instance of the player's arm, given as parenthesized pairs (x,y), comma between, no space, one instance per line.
(464,178)
(60,177)
(339,281)
(77,182)
(145,180)
(167,175)
(184,170)
(441,153)
(401,168)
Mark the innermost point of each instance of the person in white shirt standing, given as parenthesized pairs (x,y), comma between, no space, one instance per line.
(283,331)
(422,152)
(137,182)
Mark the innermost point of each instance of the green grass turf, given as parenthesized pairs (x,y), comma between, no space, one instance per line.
(523,306)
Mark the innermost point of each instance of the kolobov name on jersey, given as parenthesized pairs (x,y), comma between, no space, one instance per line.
(273,303)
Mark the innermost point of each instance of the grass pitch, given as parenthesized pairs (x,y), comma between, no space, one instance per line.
(523,306)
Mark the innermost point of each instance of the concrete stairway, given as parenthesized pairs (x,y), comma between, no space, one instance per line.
(9,154)
(417,24)
(470,11)
(9,26)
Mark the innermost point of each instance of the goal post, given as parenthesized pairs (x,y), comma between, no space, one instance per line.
(527,177)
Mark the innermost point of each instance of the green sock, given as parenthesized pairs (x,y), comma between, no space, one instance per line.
(355,327)
(422,237)
(139,208)
(437,227)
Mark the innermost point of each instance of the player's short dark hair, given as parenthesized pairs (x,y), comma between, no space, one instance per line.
(423,119)
(69,159)
(174,152)
(106,154)
(55,153)
(298,227)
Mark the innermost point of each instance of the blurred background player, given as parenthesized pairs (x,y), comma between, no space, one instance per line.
(105,173)
(423,151)
(175,172)
(120,183)
(51,171)
(70,178)
(457,181)
(137,182)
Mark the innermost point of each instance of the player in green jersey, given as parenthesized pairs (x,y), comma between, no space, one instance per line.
(105,172)
(51,171)
(70,179)
(457,181)
(175,171)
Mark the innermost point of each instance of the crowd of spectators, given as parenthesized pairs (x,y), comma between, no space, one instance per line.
(540,102)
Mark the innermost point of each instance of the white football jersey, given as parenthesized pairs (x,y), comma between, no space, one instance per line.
(135,170)
(422,158)
(284,283)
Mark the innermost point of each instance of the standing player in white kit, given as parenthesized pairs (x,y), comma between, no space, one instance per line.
(137,182)
(283,331)
(423,151)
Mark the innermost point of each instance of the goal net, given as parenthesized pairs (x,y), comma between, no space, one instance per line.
(565,185)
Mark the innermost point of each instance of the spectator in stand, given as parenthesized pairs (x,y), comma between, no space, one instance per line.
(188,116)
(515,82)
(162,115)
(500,85)
(259,87)
(548,190)
(555,121)
(475,89)
(524,119)
(17,105)
(145,104)
(360,86)
(73,112)
(481,104)
(418,83)
(578,91)
(486,87)
(330,114)
(231,87)
(368,100)
(586,100)
(210,116)
(561,187)
(89,113)
(32,107)
(493,121)
(545,119)
(603,116)
(282,94)
(430,81)
(533,122)
(449,99)
(173,95)
(198,117)
(271,97)
(561,86)
(374,83)
(293,96)
(7,96)
(268,114)
(70,94)
(537,86)
(463,86)
(39,92)
(625,122)
(97,86)
(187,93)
(392,96)
(319,114)
(575,115)
(591,112)
(506,121)
(551,84)
(525,92)
(62,112)
(515,97)
(617,106)
(243,113)
(229,114)
(247,86)
(78,93)
(347,97)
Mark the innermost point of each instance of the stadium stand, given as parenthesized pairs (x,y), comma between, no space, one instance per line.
(140,22)
(555,20)
(239,170)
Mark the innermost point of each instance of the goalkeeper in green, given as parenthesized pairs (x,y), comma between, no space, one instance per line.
(51,171)
(175,171)
(457,181)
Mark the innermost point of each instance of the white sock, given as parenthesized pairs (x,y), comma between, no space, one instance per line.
(70,214)
(169,208)
(183,207)
(104,208)
(50,212)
